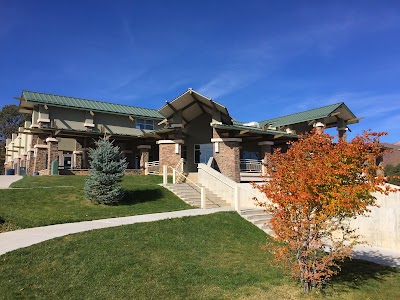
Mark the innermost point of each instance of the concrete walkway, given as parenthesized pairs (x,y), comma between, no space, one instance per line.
(6,180)
(14,240)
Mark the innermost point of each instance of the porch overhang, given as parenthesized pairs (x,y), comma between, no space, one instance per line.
(331,116)
(192,104)
(253,133)
(80,133)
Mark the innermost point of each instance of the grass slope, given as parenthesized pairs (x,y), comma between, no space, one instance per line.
(37,206)
(206,257)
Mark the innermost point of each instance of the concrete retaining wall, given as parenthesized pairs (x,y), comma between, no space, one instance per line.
(381,227)
(225,187)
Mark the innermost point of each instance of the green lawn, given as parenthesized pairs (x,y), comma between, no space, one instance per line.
(38,206)
(207,257)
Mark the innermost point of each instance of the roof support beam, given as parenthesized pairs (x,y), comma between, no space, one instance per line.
(199,103)
(187,106)
(277,136)
(176,111)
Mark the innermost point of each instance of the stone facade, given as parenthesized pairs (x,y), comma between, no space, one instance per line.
(265,148)
(30,165)
(52,154)
(40,158)
(167,155)
(228,156)
(78,155)
(144,155)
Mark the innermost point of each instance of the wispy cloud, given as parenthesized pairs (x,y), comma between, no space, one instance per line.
(269,54)
(227,82)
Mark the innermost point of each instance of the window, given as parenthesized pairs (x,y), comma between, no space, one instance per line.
(144,124)
(250,155)
(202,153)
(184,152)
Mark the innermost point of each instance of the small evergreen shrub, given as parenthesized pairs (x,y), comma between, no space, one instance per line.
(391,170)
(106,172)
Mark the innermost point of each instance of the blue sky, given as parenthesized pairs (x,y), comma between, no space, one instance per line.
(261,59)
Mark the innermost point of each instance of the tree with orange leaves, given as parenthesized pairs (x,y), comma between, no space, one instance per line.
(316,187)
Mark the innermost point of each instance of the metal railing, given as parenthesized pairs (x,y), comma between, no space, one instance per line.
(250,165)
(152,167)
(179,174)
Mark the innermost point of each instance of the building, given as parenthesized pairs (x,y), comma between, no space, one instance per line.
(190,129)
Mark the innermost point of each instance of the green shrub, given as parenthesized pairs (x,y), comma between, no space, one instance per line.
(391,170)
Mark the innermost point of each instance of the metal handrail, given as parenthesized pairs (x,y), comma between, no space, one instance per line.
(202,189)
(153,166)
(183,175)
(251,165)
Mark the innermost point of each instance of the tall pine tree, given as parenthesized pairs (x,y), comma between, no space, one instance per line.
(106,172)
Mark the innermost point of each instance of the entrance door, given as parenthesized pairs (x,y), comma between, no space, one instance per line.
(67,159)
(202,153)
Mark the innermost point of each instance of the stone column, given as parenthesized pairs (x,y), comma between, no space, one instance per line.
(319,128)
(144,155)
(52,153)
(342,129)
(41,154)
(227,155)
(170,152)
(266,148)
(30,161)
(77,155)
(342,133)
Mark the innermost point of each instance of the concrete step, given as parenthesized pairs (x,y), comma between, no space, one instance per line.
(260,221)
(191,194)
(250,212)
(258,217)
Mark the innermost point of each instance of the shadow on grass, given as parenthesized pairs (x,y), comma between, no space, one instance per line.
(356,272)
(132,197)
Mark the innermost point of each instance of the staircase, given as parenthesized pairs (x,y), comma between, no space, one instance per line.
(258,217)
(190,193)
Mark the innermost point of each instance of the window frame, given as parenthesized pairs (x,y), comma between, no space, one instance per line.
(144,124)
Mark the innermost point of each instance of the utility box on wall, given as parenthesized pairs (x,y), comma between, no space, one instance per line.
(54,167)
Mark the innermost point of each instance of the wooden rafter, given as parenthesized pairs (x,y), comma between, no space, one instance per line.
(176,111)
(199,103)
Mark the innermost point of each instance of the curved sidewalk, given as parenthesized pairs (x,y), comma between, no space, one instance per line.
(7,180)
(17,239)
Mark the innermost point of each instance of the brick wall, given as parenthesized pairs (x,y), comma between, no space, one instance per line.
(78,156)
(228,158)
(52,154)
(168,156)
(30,164)
(265,149)
(40,159)
(144,157)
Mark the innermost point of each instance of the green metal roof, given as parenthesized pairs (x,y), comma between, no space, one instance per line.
(305,116)
(94,105)
(255,130)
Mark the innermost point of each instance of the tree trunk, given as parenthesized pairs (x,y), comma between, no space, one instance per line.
(306,287)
